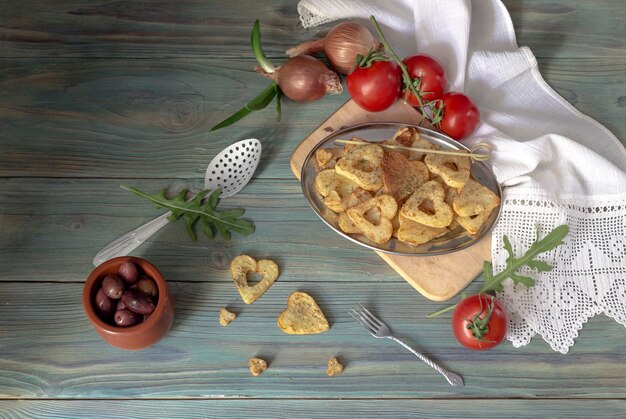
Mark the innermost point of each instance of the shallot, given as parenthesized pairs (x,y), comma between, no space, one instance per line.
(305,79)
(341,45)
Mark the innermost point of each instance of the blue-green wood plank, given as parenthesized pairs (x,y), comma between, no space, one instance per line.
(287,409)
(58,225)
(150,118)
(98,89)
(49,350)
(211,28)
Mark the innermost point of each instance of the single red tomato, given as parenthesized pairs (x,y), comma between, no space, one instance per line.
(480,322)
(460,115)
(431,74)
(377,87)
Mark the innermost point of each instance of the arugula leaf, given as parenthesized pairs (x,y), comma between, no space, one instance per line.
(194,210)
(494,282)
(551,241)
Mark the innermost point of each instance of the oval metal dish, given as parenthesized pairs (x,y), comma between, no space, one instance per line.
(457,239)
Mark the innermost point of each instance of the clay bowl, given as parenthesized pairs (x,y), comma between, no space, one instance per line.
(143,334)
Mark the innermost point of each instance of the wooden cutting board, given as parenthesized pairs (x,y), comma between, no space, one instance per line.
(438,278)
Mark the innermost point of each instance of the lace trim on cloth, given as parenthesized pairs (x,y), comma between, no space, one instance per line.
(309,17)
(589,275)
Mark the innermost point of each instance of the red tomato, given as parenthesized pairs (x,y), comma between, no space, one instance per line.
(377,87)
(460,115)
(480,322)
(433,77)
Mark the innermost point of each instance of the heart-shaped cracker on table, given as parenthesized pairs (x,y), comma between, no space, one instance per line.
(454,170)
(302,316)
(427,206)
(381,232)
(362,166)
(239,268)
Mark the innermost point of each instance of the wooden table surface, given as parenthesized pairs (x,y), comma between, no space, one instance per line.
(94,94)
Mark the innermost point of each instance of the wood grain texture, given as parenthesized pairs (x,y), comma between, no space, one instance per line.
(60,224)
(317,408)
(94,93)
(150,118)
(207,29)
(49,350)
(437,278)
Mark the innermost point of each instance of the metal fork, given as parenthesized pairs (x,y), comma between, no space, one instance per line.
(379,330)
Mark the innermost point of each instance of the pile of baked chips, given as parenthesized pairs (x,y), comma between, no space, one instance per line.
(410,195)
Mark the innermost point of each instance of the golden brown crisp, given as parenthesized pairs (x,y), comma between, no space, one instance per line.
(401,176)
(427,206)
(239,268)
(257,366)
(226,317)
(381,231)
(302,316)
(474,199)
(334,367)
(362,166)
(335,189)
(454,170)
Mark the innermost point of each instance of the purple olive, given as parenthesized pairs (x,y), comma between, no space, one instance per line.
(120,305)
(138,302)
(148,287)
(113,286)
(104,305)
(127,318)
(129,272)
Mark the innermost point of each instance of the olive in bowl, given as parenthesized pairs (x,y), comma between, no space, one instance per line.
(123,314)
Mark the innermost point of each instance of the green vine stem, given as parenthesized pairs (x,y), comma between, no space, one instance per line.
(408,81)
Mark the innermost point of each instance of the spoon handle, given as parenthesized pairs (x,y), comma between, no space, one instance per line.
(131,240)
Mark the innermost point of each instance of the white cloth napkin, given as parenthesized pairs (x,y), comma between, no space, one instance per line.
(557,165)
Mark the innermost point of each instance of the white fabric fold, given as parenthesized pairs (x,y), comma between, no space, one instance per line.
(557,165)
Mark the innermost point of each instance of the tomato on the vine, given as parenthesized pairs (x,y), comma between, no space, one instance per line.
(480,322)
(376,87)
(460,115)
(430,75)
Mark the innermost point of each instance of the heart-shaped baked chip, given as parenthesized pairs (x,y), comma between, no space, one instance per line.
(362,166)
(302,316)
(415,233)
(406,136)
(335,189)
(474,223)
(327,157)
(345,223)
(347,148)
(382,231)
(239,268)
(421,143)
(474,199)
(401,176)
(426,206)
(454,170)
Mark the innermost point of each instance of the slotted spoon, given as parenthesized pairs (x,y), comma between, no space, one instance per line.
(230,170)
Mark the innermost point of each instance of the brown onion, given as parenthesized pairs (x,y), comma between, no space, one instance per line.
(305,79)
(341,45)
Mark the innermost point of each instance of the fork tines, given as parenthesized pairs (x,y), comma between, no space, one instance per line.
(366,319)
